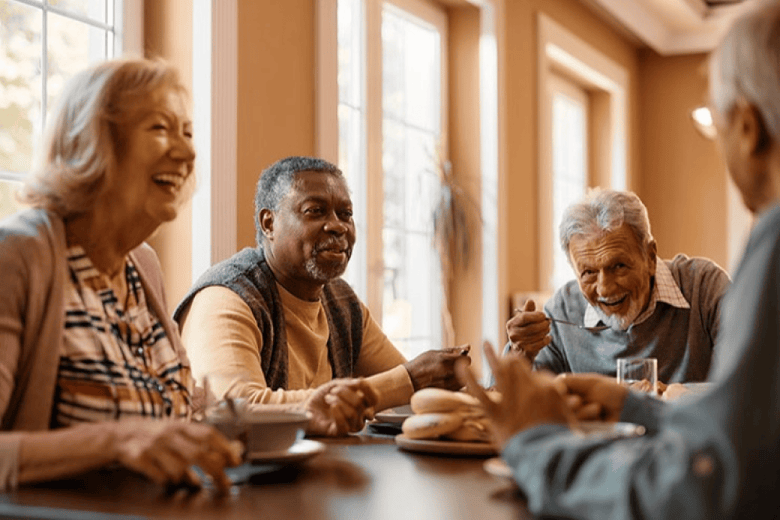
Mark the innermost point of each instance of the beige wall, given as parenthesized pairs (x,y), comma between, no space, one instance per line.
(168,34)
(684,181)
(276,46)
(464,144)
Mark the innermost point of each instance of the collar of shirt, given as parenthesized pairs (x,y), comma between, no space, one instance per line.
(665,289)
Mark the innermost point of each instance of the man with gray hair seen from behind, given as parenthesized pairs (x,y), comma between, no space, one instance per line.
(275,321)
(636,304)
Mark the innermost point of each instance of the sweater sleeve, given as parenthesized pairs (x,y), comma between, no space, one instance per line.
(9,459)
(223,341)
(12,302)
(382,365)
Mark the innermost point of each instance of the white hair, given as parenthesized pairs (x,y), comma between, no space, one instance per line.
(605,210)
(746,65)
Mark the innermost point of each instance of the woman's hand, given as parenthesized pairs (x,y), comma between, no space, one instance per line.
(340,406)
(166,450)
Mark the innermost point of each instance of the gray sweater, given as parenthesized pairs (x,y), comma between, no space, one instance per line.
(712,455)
(681,339)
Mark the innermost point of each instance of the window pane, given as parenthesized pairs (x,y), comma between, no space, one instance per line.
(20,84)
(410,305)
(351,162)
(8,203)
(569,171)
(349,51)
(72,46)
(92,9)
(411,100)
(411,70)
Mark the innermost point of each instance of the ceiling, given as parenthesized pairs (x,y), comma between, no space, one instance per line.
(673,26)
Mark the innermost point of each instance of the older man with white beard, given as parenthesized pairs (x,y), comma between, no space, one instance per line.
(640,306)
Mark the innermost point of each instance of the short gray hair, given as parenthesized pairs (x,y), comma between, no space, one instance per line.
(605,210)
(84,137)
(746,65)
(276,180)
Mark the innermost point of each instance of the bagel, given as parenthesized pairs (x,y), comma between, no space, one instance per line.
(437,400)
(472,430)
(431,425)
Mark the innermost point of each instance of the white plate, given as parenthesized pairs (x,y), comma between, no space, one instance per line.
(298,452)
(445,447)
(497,467)
(394,415)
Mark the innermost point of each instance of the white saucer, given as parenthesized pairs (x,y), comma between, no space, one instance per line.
(446,447)
(302,450)
(394,415)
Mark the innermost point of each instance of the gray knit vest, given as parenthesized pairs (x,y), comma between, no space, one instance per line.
(247,274)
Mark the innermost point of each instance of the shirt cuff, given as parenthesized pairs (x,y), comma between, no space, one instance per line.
(10,445)
(514,448)
(394,387)
(644,409)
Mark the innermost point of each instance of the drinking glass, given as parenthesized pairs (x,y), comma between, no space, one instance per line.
(638,373)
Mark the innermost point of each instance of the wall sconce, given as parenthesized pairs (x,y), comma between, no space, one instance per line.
(702,121)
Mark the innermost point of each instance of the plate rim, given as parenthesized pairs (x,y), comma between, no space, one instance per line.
(393,418)
(306,448)
(446,447)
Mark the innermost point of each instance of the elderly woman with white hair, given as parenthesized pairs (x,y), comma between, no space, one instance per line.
(92,369)
(635,304)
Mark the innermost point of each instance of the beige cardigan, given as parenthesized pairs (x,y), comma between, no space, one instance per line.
(32,276)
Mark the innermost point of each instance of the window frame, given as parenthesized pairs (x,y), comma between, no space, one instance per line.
(128,37)
(559,49)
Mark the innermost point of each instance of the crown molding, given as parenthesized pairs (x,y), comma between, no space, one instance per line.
(672,26)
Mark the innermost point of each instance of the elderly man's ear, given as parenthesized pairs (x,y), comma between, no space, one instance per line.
(652,251)
(754,137)
(266,220)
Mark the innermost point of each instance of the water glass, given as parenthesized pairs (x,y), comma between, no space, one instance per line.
(638,373)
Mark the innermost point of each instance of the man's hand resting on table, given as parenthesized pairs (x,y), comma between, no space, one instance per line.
(340,406)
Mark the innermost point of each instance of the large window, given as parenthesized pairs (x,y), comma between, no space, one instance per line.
(42,43)
(391,122)
(569,161)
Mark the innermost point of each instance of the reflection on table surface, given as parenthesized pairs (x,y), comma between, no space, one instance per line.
(364,476)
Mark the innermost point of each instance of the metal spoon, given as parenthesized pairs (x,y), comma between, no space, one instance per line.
(583,327)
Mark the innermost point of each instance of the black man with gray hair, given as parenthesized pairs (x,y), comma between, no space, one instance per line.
(273,322)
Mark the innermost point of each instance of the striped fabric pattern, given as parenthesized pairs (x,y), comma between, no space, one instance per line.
(117,360)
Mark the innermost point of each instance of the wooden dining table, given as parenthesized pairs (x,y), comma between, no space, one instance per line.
(364,476)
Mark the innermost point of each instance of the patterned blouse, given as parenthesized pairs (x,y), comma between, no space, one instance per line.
(116,360)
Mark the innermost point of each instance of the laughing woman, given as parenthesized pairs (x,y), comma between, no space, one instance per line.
(92,370)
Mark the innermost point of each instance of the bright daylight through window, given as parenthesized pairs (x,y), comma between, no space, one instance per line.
(42,43)
(403,276)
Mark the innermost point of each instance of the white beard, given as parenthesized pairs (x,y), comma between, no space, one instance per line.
(619,321)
